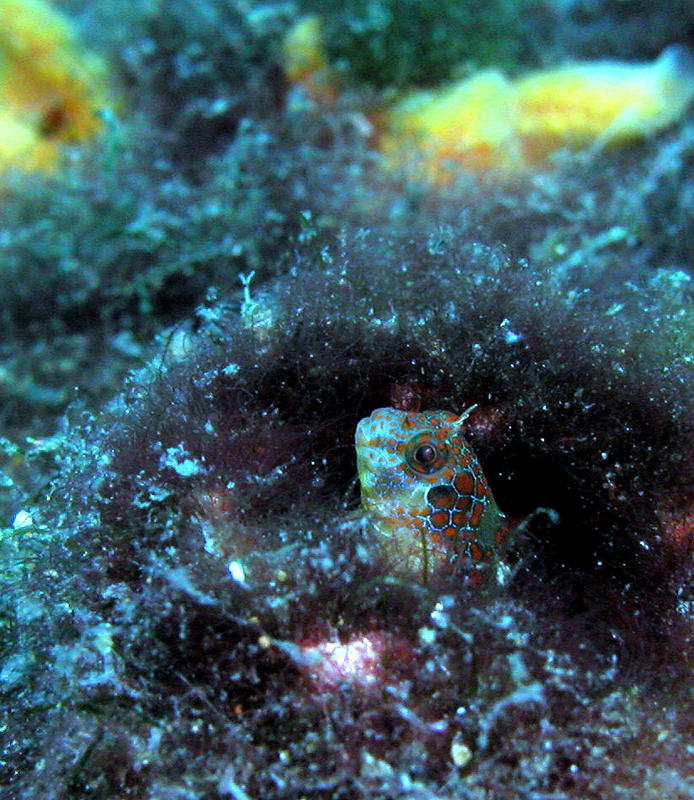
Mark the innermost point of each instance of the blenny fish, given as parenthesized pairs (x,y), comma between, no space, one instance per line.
(424,492)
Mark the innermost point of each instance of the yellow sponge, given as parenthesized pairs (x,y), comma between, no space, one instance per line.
(49,90)
(470,124)
(604,102)
(487,122)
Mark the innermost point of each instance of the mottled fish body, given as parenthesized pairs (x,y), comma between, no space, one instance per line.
(424,491)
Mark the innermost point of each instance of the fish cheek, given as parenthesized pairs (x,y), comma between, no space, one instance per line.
(387,490)
(442,497)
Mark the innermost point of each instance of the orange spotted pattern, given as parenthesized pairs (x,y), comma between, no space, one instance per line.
(425,493)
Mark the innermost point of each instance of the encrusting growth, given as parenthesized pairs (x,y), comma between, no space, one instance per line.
(50,92)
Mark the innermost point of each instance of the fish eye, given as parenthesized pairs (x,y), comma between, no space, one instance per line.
(425,454)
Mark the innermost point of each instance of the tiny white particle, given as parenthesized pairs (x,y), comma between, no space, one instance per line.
(22,520)
(510,336)
(237,571)
(426,635)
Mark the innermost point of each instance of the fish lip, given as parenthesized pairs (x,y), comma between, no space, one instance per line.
(369,424)
(365,448)
(366,471)
(364,461)
(361,437)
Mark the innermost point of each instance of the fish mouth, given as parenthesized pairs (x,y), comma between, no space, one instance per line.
(380,423)
(369,452)
(366,462)
(375,439)
(362,436)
